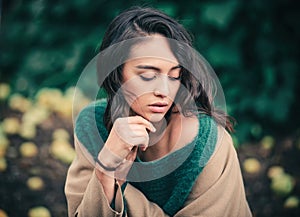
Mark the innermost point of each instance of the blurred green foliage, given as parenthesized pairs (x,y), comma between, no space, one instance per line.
(253,47)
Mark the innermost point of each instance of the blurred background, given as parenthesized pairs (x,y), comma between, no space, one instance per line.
(253,46)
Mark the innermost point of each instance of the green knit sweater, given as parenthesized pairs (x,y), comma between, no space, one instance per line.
(167,181)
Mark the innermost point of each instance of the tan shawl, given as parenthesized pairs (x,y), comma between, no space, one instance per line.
(218,191)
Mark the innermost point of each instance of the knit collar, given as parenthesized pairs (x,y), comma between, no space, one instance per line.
(185,165)
(166,181)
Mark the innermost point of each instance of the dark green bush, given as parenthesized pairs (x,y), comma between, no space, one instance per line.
(252,45)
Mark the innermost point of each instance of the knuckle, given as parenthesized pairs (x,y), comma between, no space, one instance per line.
(117,121)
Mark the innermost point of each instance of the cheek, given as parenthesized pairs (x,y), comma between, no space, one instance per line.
(138,104)
(174,90)
(132,90)
(136,87)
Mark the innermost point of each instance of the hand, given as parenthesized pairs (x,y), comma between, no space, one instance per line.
(120,150)
(127,133)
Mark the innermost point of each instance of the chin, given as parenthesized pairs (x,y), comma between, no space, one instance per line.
(156,117)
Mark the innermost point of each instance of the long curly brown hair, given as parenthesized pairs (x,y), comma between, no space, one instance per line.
(197,86)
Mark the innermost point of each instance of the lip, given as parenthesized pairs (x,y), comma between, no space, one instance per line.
(158,107)
(159,104)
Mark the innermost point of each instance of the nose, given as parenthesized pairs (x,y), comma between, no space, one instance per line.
(162,86)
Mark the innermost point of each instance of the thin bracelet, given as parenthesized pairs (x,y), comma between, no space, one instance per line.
(105,167)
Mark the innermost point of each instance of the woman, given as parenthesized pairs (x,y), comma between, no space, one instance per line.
(157,146)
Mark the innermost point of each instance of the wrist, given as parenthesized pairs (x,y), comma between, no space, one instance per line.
(106,168)
(107,160)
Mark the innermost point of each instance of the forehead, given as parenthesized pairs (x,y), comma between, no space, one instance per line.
(151,61)
(153,47)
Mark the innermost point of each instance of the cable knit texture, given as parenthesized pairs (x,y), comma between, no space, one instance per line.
(169,179)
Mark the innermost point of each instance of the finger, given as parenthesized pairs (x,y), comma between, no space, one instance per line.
(140,141)
(137,127)
(138,132)
(143,121)
(143,148)
(143,140)
(138,138)
(132,155)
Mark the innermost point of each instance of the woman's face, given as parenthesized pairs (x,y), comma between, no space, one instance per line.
(151,79)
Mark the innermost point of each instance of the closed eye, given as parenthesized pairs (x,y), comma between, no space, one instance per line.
(175,73)
(153,72)
(147,79)
(148,76)
(174,78)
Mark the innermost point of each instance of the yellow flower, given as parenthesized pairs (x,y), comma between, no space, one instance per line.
(19,103)
(64,108)
(4,142)
(282,184)
(4,91)
(291,202)
(28,149)
(39,211)
(3,213)
(49,98)
(267,142)
(62,150)
(35,183)
(11,125)
(275,171)
(60,134)
(27,130)
(35,115)
(3,164)
(251,165)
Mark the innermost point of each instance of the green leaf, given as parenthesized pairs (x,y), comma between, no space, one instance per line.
(219,14)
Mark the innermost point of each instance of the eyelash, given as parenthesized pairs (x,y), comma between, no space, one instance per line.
(146,79)
(152,78)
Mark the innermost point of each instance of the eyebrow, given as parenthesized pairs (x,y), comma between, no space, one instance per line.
(155,68)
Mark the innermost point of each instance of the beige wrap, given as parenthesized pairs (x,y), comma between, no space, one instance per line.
(218,191)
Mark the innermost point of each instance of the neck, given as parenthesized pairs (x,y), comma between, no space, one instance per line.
(162,141)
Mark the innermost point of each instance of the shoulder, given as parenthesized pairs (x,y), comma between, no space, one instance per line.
(94,111)
(199,135)
(221,172)
(95,108)
(224,142)
(206,140)
(89,124)
(224,154)
(215,164)
(198,128)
